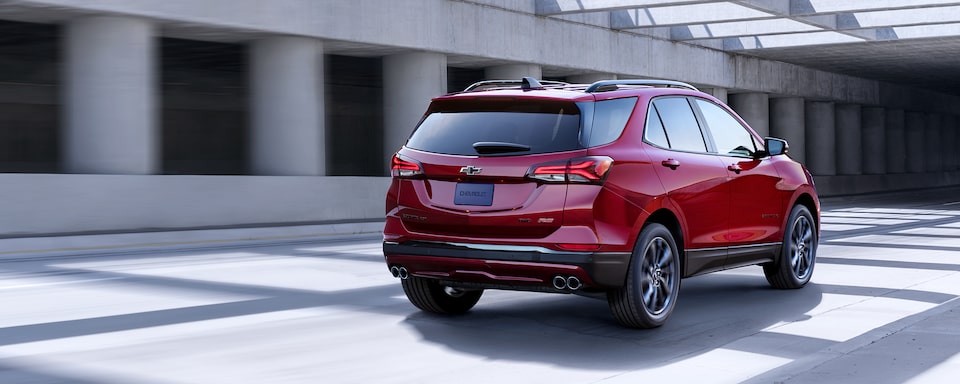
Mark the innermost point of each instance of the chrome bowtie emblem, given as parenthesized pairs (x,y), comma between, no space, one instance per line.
(471,170)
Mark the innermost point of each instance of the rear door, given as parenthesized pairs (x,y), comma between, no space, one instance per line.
(695,180)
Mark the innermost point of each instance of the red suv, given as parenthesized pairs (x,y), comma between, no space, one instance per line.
(616,189)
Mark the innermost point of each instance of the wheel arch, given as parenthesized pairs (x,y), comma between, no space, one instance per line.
(667,218)
(807,200)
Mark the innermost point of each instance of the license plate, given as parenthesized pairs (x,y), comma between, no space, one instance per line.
(474,194)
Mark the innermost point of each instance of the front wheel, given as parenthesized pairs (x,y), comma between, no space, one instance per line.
(653,281)
(429,295)
(794,266)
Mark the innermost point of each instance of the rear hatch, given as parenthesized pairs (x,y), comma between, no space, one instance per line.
(489,167)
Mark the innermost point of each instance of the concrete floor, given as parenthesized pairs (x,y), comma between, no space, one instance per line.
(881,308)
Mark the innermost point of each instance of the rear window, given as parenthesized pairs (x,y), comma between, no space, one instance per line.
(519,127)
(527,126)
(609,119)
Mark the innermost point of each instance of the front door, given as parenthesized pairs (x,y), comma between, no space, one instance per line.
(755,206)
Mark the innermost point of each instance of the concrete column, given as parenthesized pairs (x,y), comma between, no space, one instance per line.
(949,143)
(109,99)
(719,93)
(754,108)
(787,122)
(513,72)
(896,142)
(287,110)
(821,137)
(410,80)
(932,148)
(849,141)
(874,140)
(914,134)
(590,78)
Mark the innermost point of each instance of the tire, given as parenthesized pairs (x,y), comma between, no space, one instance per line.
(798,255)
(653,281)
(430,296)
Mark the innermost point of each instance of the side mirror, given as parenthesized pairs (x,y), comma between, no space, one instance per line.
(775,146)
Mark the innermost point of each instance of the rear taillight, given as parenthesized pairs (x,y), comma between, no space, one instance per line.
(403,167)
(586,170)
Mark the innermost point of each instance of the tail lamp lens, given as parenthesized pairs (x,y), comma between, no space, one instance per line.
(584,170)
(403,167)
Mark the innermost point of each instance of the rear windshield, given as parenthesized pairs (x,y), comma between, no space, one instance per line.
(525,127)
(519,127)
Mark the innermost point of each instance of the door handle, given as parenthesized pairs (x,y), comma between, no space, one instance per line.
(670,163)
(735,168)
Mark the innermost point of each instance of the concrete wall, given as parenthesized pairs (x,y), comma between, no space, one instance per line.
(47,203)
(37,204)
(467,34)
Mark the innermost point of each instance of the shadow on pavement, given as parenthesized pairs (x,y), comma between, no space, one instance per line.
(576,332)
(11,372)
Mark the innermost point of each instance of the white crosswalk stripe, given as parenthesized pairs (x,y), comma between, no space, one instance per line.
(849,219)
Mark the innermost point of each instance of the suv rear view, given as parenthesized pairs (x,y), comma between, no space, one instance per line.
(616,189)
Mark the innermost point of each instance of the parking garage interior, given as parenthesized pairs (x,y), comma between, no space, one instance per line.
(866,94)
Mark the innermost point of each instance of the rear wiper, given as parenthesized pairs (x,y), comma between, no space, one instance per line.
(491,147)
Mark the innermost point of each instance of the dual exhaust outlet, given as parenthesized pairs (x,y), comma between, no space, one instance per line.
(559,282)
(399,272)
(567,282)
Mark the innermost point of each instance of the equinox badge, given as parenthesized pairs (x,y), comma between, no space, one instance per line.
(471,170)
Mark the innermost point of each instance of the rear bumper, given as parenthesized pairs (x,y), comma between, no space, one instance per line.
(506,266)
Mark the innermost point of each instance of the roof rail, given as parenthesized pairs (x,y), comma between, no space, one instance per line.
(604,85)
(527,83)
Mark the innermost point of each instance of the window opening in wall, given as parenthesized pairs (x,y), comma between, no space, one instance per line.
(354,107)
(29,102)
(204,113)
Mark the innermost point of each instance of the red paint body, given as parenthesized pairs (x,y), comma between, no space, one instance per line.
(534,230)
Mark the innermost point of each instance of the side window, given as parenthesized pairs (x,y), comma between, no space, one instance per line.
(654,132)
(680,124)
(731,137)
(609,119)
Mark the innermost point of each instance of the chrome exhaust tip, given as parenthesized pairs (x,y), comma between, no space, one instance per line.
(559,282)
(402,273)
(395,271)
(573,283)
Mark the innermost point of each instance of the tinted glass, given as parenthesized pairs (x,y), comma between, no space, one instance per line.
(453,127)
(609,119)
(731,137)
(654,132)
(683,131)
